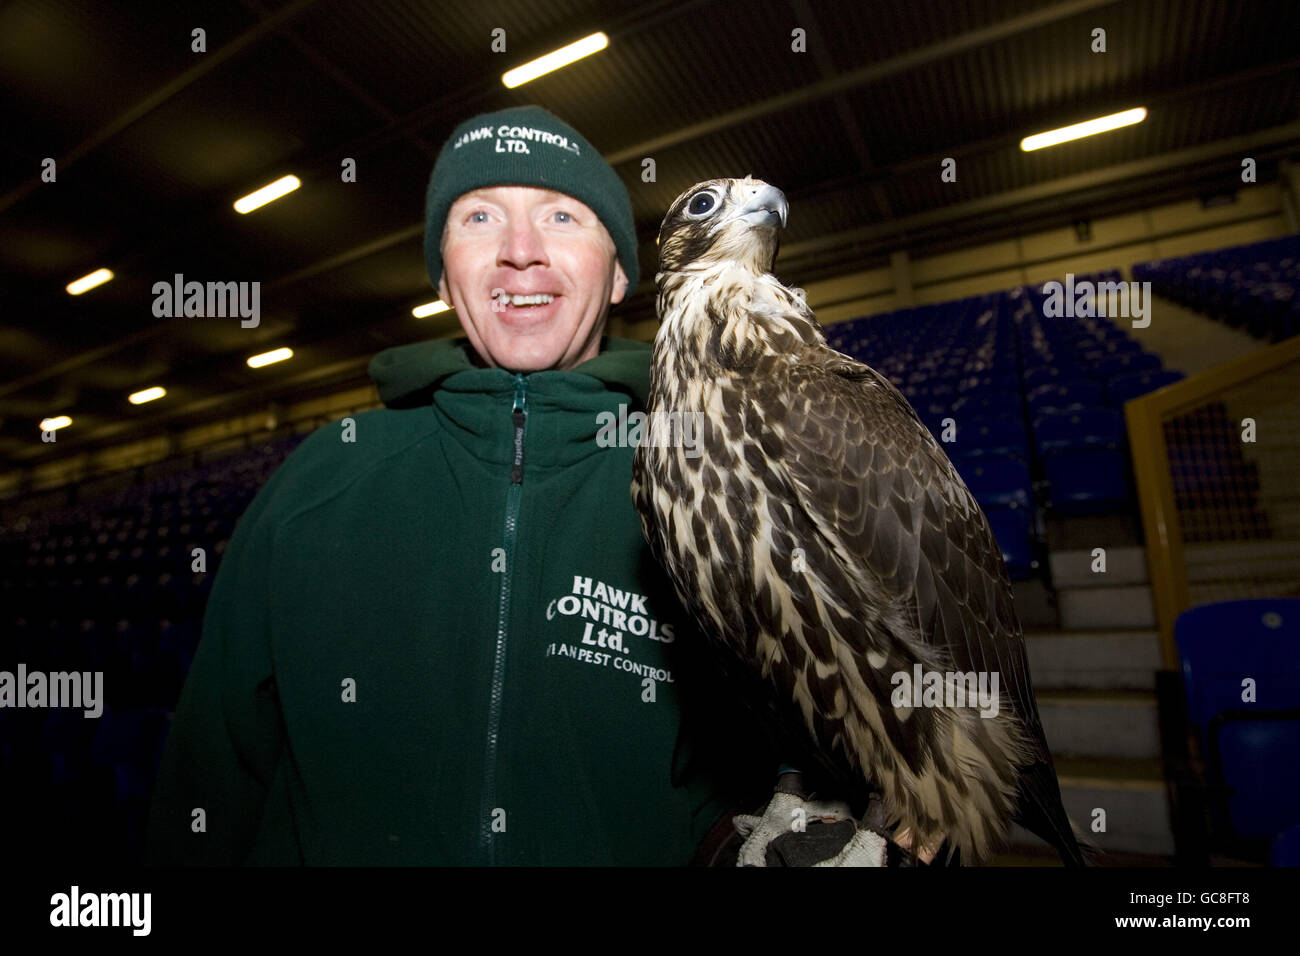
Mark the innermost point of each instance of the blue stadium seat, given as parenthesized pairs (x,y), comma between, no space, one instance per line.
(129,746)
(1131,385)
(1258,761)
(1286,848)
(1252,747)
(1120,344)
(1264,640)
(986,405)
(67,737)
(1251,286)
(1010,526)
(1065,397)
(1115,365)
(1084,427)
(942,391)
(1002,379)
(997,482)
(1005,437)
(1052,375)
(1086,481)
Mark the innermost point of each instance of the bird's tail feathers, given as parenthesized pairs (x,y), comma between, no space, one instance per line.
(1042,813)
(1091,854)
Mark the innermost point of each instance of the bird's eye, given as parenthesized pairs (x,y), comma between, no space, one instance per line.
(701,203)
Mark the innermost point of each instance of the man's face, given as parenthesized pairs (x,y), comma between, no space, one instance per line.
(522,241)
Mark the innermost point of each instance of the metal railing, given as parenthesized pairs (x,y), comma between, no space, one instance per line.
(1216,458)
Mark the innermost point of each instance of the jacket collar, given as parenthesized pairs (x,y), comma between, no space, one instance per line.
(475,403)
(408,375)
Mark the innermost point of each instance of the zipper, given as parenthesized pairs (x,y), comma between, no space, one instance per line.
(514,495)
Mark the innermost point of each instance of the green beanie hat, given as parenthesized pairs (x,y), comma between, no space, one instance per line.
(526,146)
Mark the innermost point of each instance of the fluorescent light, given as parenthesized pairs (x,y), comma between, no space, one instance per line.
(86,283)
(49,424)
(267,358)
(1103,124)
(430,308)
(554,60)
(146,395)
(285,184)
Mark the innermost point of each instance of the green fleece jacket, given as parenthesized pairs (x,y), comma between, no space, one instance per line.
(438,637)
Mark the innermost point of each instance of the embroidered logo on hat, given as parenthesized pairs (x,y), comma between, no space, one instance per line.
(527,146)
(515,139)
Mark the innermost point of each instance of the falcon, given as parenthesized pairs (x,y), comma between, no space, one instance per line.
(828,550)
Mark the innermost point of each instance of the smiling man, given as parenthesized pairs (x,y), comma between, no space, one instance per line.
(532,273)
(439,637)
(529,236)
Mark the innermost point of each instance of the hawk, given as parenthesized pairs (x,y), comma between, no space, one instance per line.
(828,549)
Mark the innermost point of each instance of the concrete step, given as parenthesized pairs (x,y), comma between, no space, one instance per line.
(1100,660)
(1121,597)
(1124,607)
(1125,564)
(1132,794)
(1255,560)
(1100,723)
(1085,532)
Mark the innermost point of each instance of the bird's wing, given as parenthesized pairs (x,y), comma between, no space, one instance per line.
(888,501)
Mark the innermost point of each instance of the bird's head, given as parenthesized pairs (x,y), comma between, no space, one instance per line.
(723,220)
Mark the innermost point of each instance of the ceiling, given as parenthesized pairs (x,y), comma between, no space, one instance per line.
(153,142)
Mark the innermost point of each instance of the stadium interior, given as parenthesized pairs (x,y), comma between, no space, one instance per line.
(1135,445)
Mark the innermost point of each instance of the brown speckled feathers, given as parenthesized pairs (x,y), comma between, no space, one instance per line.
(823,540)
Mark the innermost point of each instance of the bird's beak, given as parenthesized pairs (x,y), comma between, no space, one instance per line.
(766,206)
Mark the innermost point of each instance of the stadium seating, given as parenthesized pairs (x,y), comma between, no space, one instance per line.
(1011,529)
(996,481)
(1065,396)
(1240,662)
(1028,406)
(107,585)
(1252,287)
(1005,436)
(997,376)
(1078,428)
(1126,387)
(1286,848)
(1088,481)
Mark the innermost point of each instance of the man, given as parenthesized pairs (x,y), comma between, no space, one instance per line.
(438,637)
